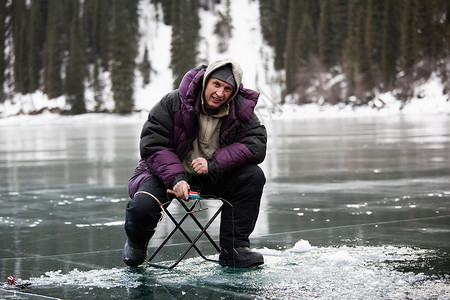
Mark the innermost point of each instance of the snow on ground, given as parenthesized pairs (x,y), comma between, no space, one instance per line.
(155,35)
(315,272)
(431,101)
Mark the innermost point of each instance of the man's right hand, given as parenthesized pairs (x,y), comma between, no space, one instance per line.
(181,190)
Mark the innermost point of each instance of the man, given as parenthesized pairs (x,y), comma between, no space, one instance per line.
(203,134)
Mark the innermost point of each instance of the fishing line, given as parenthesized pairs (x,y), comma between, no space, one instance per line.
(29,294)
(37,256)
(160,205)
(223,201)
(232,215)
(196,196)
(356,225)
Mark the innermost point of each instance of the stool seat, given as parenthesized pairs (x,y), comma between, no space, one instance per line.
(189,212)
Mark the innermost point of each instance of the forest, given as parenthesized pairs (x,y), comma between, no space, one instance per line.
(63,47)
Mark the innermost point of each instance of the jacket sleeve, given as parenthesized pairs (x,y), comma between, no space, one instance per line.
(250,148)
(156,144)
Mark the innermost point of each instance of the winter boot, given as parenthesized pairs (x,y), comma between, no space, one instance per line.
(240,257)
(133,253)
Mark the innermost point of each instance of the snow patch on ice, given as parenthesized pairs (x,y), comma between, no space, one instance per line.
(302,246)
(324,273)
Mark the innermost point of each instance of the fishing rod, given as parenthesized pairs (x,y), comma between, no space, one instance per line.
(22,285)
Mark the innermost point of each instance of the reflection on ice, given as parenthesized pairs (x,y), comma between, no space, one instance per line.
(361,182)
(114,223)
(299,272)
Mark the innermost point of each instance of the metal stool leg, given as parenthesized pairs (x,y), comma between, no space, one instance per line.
(208,224)
(192,242)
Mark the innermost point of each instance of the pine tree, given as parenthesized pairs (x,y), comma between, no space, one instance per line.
(305,59)
(36,30)
(373,34)
(74,74)
(104,38)
(306,42)
(3,15)
(349,52)
(390,44)
(20,42)
(445,46)
(123,51)
(332,31)
(176,59)
(427,29)
(54,49)
(408,37)
(90,28)
(223,28)
(97,17)
(363,64)
(266,8)
(185,36)
(325,35)
(445,13)
(279,33)
(273,21)
(98,87)
(167,11)
(294,24)
(146,68)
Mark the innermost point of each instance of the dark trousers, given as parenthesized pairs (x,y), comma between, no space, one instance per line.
(242,187)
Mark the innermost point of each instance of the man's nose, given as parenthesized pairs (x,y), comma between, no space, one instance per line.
(220,92)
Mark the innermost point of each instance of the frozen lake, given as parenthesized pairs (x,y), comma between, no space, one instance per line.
(354,208)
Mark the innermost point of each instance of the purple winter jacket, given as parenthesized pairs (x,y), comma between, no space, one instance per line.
(172,126)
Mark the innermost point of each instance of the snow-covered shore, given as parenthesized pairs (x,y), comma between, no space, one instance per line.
(245,46)
(416,107)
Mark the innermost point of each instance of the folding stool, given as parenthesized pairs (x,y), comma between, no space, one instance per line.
(189,211)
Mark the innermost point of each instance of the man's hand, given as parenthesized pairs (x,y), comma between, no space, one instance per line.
(181,190)
(200,165)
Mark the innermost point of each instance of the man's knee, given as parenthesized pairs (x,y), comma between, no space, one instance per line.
(253,176)
(145,206)
(259,175)
(142,207)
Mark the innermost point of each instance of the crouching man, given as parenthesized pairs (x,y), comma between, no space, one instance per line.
(204,134)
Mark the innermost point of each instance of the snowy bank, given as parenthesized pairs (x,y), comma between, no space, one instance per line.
(245,46)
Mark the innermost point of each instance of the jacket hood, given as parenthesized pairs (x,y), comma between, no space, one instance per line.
(235,68)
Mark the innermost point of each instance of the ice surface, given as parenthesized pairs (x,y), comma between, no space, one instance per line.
(339,191)
(299,272)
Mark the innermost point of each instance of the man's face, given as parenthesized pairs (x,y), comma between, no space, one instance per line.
(217,93)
